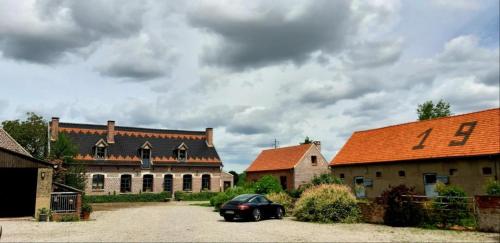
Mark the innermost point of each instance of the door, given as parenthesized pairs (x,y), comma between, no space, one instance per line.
(227,184)
(430,180)
(18,192)
(359,186)
(283,182)
(168,184)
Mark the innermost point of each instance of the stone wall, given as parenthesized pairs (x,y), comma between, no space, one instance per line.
(43,189)
(372,212)
(488,213)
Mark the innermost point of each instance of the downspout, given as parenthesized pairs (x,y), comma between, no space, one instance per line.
(48,139)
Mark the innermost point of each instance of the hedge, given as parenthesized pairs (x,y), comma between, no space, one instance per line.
(194,196)
(143,197)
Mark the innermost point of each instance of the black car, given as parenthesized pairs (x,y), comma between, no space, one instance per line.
(251,206)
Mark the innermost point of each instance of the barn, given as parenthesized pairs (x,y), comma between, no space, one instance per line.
(25,182)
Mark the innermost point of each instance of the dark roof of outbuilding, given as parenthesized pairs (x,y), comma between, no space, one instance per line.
(7,142)
(128,141)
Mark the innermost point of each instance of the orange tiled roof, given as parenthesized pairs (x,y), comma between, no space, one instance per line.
(279,159)
(471,134)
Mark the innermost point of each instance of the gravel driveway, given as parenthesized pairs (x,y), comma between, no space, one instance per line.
(181,222)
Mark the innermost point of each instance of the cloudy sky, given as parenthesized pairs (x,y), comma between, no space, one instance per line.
(252,70)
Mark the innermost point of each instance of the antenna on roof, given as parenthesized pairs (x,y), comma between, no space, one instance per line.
(276,143)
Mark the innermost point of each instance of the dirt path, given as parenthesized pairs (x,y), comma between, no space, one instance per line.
(181,222)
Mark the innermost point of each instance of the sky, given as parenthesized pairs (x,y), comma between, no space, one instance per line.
(255,71)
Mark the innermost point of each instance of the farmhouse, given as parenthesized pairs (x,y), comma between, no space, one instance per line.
(294,165)
(462,150)
(134,160)
(25,182)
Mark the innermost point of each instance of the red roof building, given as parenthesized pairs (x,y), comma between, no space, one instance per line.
(293,165)
(462,148)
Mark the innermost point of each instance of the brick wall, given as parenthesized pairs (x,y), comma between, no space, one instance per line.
(304,171)
(113,174)
(488,213)
(255,176)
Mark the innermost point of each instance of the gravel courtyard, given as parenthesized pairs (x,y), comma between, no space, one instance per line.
(182,222)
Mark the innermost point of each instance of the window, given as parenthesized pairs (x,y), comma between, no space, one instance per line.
(378,174)
(167,183)
(401,173)
(182,154)
(147,183)
(205,182)
(100,152)
(342,176)
(146,154)
(98,182)
(314,160)
(487,171)
(125,183)
(187,183)
(453,172)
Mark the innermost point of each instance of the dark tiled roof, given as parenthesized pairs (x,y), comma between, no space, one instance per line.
(128,141)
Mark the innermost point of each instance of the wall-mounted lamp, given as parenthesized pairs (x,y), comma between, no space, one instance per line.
(42,175)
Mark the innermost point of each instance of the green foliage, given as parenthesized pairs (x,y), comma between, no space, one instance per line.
(44,211)
(400,210)
(267,184)
(428,110)
(223,197)
(326,178)
(493,188)
(86,207)
(242,180)
(194,196)
(235,177)
(30,133)
(69,218)
(74,176)
(307,140)
(143,197)
(284,199)
(451,207)
(63,149)
(327,204)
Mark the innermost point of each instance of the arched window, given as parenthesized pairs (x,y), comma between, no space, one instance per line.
(205,182)
(168,183)
(98,182)
(125,183)
(147,183)
(187,183)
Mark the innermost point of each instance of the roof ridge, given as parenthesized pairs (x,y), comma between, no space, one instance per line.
(15,141)
(292,146)
(429,120)
(145,129)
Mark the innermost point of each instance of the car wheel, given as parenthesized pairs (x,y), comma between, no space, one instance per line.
(279,213)
(229,218)
(256,214)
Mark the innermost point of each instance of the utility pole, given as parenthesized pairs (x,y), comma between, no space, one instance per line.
(276,143)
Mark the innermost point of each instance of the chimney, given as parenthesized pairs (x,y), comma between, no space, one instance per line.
(318,145)
(54,128)
(209,133)
(111,132)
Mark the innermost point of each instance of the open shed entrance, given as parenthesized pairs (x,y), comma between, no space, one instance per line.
(17,191)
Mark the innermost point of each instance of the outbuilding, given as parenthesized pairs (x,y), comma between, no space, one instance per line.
(25,182)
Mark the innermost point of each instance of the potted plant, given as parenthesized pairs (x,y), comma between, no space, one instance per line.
(86,210)
(43,214)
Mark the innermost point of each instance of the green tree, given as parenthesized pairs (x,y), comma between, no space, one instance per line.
(428,110)
(235,177)
(307,140)
(73,174)
(30,133)
(267,184)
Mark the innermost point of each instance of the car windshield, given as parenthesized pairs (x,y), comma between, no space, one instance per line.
(242,198)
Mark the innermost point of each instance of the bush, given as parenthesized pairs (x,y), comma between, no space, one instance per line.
(196,196)
(451,207)
(86,207)
(284,199)
(69,218)
(267,184)
(223,197)
(326,178)
(143,197)
(400,210)
(493,188)
(327,203)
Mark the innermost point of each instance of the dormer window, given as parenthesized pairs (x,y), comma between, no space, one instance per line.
(146,155)
(101,149)
(182,152)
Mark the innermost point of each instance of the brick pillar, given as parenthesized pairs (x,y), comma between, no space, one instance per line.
(111,132)
(209,134)
(54,128)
